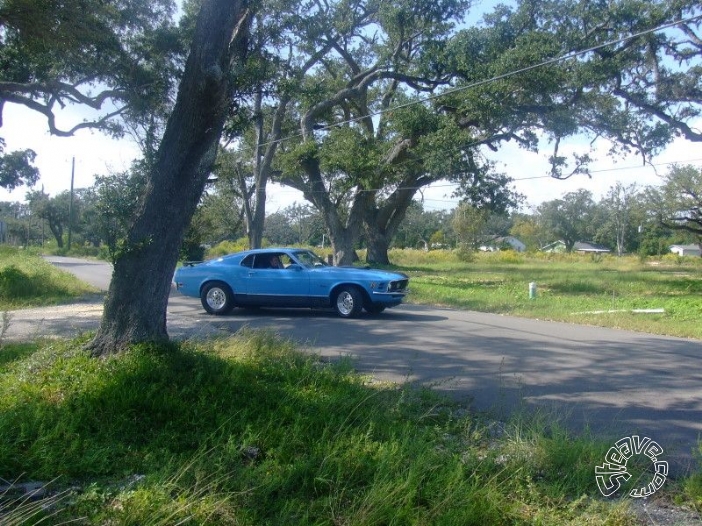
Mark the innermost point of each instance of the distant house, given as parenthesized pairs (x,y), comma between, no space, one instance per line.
(686,250)
(580,246)
(556,246)
(590,248)
(501,242)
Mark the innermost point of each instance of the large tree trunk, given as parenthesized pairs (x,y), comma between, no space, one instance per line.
(380,224)
(342,233)
(135,308)
(57,231)
(256,206)
(342,247)
(378,246)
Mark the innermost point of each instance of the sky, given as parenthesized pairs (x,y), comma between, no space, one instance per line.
(99,154)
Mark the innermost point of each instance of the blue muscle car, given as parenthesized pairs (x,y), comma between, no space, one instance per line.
(288,277)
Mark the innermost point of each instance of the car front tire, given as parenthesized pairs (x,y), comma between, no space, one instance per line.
(348,302)
(217,298)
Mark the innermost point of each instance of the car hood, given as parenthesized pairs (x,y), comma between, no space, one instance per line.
(360,273)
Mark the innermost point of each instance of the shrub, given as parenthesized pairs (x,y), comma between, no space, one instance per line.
(508,256)
(411,256)
(192,251)
(227,247)
(15,284)
(466,254)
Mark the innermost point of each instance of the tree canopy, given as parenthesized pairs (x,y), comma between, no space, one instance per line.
(113,57)
(678,201)
(16,168)
(569,219)
(393,99)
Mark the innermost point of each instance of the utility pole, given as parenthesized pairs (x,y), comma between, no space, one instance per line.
(43,220)
(70,202)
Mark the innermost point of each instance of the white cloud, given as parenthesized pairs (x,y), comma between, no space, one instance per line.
(94,152)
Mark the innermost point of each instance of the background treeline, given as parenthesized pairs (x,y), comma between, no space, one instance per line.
(627,219)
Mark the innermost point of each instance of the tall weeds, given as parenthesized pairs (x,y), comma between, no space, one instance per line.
(248,431)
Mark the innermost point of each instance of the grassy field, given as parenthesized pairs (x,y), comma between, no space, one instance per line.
(572,288)
(26,280)
(246,431)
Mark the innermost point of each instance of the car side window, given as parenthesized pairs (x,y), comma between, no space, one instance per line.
(285,260)
(274,262)
(267,261)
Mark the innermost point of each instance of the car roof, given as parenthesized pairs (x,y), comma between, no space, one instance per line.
(270,249)
(264,251)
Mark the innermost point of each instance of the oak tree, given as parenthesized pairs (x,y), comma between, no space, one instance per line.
(135,307)
(677,203)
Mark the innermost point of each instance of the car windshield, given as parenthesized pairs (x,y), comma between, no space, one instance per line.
(309,259)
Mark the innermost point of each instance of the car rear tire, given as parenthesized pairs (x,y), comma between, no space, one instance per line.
(217,298)
(348,302)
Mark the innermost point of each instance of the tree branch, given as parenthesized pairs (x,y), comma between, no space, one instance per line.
(15,92)
(688,132)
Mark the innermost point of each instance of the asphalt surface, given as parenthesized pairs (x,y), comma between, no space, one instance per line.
(613,383)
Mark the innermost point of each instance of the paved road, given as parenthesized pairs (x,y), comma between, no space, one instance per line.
(617,383)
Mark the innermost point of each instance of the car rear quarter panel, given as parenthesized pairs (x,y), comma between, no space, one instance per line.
(194,278)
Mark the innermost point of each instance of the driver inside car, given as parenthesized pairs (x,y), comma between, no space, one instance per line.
(275,262)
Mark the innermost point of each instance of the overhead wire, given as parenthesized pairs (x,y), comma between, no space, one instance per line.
(496,78)
(603,170)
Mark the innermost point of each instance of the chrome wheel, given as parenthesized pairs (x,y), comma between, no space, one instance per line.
(348,303)
(217,298)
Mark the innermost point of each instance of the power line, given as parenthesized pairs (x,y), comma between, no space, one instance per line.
(616,169)
(603,170)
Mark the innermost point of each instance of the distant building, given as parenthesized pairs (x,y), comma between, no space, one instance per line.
(686,250)
(501,242)
(590,248)
(580,246)
(556,246)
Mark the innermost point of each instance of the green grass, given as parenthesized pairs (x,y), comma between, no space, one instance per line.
(26,280)
(247,431)
(569,288)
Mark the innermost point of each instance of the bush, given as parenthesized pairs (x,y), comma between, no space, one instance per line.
(190,251)
(27,280)
(466,254)
(227,247)
(508,256)
(15,284)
